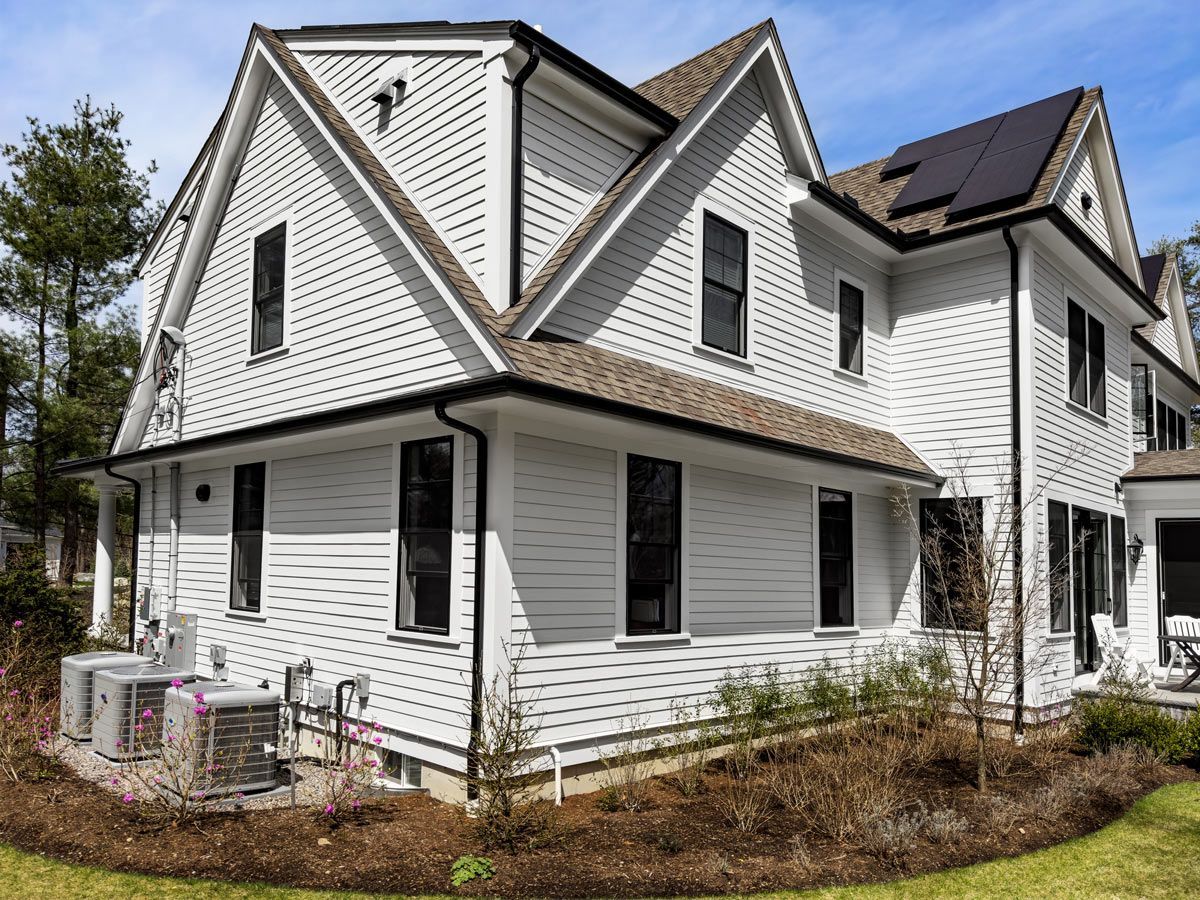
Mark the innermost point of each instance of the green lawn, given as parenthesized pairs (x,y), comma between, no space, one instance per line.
(1154,851)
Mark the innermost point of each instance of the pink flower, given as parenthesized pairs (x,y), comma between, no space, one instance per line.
(3,671)
(176,683)
(240,795)
(377,739)
(199,695)
(158,779)
(18,624)
(115,781)
(329,809)
(139,727)
(120,743)
(199,710)
(356,805)
(199,795)
(147,714)
(128,798)
(170,738)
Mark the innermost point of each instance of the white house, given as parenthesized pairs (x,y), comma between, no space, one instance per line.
(453,342)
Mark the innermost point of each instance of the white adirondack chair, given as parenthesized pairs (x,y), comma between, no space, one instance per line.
(1180,625)
(1116,656)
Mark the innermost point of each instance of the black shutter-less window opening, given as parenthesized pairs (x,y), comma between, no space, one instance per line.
(1120,609)
(426,529)
(850,327)
(835,538)
(1060,566)
(1077,352)
(269,255)
(723,313)
(249,491)
(1097,397)
(652,553)
(1138,380)
(951,533)
(1160,416)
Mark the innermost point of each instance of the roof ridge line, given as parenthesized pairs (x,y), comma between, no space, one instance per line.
(695,56)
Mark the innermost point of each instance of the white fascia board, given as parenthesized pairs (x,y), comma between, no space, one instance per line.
(671,150)
(781,94)
(458,305)
(1183,324)
(172,211)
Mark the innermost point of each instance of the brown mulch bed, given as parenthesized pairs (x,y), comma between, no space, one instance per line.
(407,844)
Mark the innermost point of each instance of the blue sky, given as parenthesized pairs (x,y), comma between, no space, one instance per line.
(871,75)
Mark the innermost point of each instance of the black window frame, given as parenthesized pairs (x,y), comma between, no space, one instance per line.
(1141,402)
(1118,572)
(845,359)
(274,296)
(1058,548)
(1087,376)
(930,515)
(835,565)
(720,285)
(247,530)
(1161,440)
(409,603)
(639,586)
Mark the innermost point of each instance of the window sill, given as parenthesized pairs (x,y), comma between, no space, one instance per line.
(831,630)
(246,615)
(273,353)
(854,377)
(1061,637)
(721,356)
(1086,412)
(637,640)
(422,637)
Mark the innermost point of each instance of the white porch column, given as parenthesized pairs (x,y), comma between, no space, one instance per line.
(106,528)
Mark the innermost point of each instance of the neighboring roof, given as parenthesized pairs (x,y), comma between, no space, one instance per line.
(678,90)
(1164,465)
(1156,273)
(621,379)
(874,194)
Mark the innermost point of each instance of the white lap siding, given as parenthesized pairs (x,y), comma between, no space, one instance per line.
(327,589)
(1080,179)
(749,576)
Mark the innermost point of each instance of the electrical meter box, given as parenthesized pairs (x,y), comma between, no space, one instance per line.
(178,640)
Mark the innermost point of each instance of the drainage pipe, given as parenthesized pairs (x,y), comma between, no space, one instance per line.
(518,172)
(1018,518)
(481,512)
(133,566)
(558,792)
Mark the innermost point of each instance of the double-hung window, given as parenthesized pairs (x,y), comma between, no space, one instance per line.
(723,304)
(835,540)
(1085,359)
(249,492)
(851,301)
(426,535)
(1059,547)
(270,253)
(951,550)
(1141,402)
(653,539)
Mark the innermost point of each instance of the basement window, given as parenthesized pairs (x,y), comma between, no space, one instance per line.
(1085,359)
(426,530)
(249,492)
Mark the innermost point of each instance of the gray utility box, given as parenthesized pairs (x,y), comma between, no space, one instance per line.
(229,747)
(77,676)
(127,692)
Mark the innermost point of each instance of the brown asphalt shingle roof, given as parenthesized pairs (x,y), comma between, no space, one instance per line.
(1164,464)
(598,372)
(874,195)
(1159,265)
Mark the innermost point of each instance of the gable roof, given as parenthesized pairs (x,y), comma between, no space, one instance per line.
(678,90)
(1156,273)
(874,195)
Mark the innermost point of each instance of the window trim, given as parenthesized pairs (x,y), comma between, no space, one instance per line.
(260,228)
(705,206)
(855,555)
(454,634)
(840,275)
(1090,314)
(264,589)
(621,635)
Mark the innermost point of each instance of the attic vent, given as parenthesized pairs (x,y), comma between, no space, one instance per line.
(1086,201)
(391,89)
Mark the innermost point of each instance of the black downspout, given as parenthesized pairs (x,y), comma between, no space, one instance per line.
(339,713)
(133,567)
(481,493)
(518,173)
(1014,363)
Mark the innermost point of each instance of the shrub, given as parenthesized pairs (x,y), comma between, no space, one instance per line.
(750,703)
(1113,720)
(849,785)
(345,777)
(744,804)
(825,695)
(52,622)
(894,836)
(27,712)
(628,766)
(1000,813)
(945,826)
(689,743)
(468,868)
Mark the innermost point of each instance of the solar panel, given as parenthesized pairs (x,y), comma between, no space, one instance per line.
(1033,122)
(1002,176)
(955,139)
(938,177)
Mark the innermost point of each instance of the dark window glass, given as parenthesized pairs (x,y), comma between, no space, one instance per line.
(951,536)
(1160,427)
(1139,390)
(850,327)
(836,541)
(1120,613)
(1077,352)
(269,255)
(1060,566)
(1097,398)
(652,546)
(1089,550)
(249,490)
(723,317)
(1177,428)
(426,529)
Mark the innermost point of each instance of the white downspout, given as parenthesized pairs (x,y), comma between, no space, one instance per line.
(173,559)
(150,582)
(558,792)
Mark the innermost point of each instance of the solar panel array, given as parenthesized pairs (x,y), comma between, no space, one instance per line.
(987,163)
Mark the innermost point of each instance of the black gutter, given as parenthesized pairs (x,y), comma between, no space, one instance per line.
(481,492)
(1134,479)
(493,385)
(1161,359)
(1018,525)
(518,173)
(133,566)
(580,68)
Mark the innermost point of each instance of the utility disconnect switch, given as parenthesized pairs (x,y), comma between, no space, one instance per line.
(322,696)
(362,686)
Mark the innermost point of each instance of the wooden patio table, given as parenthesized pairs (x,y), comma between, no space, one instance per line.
(1189,644)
